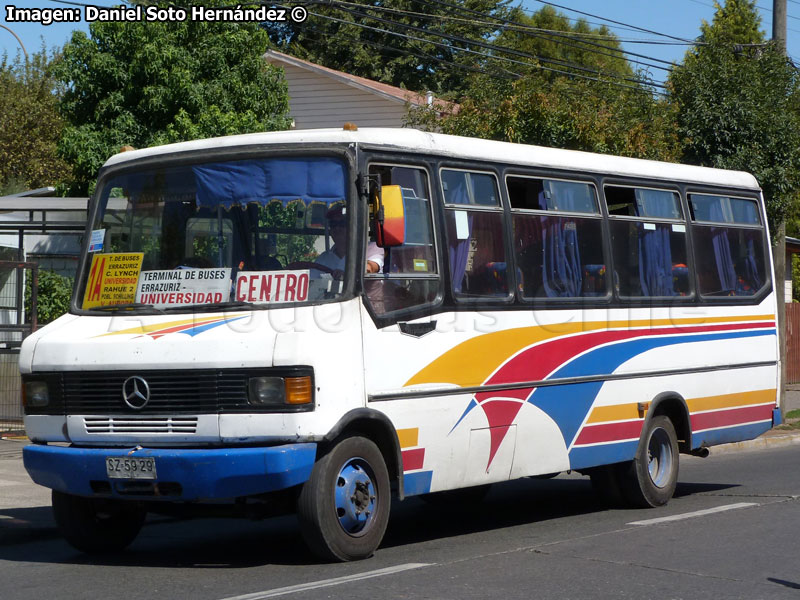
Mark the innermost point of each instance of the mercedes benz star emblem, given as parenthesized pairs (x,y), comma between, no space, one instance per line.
(135,392)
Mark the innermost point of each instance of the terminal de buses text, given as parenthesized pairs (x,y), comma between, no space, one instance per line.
(91,14)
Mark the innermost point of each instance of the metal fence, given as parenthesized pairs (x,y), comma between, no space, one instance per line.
(793,343)
(15,323)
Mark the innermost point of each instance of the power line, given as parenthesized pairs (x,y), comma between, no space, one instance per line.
(765,9)
(494,47)
(635,27)
(508,21)
(507,75)
(509,25)
(581,92)
(485,56)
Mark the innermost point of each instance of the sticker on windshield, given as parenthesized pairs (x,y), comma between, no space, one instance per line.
(273,287)
(96,242)
(112,279)
(180,287)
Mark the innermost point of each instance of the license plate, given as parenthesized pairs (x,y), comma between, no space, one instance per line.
(129,467)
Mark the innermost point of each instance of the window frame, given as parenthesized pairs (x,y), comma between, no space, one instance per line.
(377,159)
(769,285)
(499,208)
(693,294)
(594,181)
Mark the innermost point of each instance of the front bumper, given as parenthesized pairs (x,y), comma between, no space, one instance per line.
(183,474)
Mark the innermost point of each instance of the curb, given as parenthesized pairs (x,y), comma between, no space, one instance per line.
(771,439)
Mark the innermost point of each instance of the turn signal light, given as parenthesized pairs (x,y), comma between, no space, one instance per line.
(298,390)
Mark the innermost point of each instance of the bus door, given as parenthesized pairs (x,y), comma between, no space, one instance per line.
(407,373)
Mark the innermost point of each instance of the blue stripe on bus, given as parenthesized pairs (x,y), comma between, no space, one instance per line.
(417,483)
(604,454)
(726,435)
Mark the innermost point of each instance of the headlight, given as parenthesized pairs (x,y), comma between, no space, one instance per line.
(279,391)
(35,394)
(264,391)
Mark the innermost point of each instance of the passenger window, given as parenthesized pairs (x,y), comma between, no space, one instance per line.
(475,239)
(557,256)
(410,274)
(650,258)
(729,250)
(462,187)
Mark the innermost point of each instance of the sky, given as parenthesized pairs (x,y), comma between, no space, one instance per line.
(677,18)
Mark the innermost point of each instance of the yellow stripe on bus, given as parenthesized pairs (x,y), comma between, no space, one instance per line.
(732,400)
(626,412)
(409,438)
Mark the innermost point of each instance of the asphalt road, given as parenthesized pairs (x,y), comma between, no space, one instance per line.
(734,534)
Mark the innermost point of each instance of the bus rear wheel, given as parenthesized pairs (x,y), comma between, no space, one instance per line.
(97,525)
(343,508)
(649,480)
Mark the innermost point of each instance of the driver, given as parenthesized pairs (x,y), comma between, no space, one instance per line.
(334,258)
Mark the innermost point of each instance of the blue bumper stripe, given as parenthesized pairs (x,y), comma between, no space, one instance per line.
(582,457)
(726,435)
(203,474)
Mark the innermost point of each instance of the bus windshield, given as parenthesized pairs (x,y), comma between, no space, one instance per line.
(256,232)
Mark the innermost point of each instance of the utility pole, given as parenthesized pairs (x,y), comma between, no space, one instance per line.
(779,249)
(779,23)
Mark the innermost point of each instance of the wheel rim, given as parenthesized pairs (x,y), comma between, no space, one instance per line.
(355,497)
(659,458)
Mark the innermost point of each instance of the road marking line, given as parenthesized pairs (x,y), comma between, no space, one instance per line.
(697,513)
(313,585)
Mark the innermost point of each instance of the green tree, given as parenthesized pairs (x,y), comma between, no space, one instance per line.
(737,99)
(148,83)
(567,94)
(30,125)
(407,43)
(561,45)
(53,295)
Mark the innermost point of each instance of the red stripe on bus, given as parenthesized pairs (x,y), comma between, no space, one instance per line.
(736,416)
(593,434)
(413,459)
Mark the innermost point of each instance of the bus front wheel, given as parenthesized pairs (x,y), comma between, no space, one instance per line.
(649,480)
(343,508)
(97,525)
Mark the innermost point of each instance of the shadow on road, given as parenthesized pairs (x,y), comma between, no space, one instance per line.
(29,535)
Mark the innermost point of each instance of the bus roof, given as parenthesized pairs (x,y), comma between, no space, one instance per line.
(411,140)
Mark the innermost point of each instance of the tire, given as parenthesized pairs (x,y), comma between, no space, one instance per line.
(97,525)
(649,480)
(343,508)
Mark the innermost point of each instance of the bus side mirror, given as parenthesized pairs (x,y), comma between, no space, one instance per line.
(388,215)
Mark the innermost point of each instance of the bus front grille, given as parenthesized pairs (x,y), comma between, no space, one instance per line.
(151,425)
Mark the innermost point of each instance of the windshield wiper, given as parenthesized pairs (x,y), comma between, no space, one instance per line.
(210,307)
(129,307)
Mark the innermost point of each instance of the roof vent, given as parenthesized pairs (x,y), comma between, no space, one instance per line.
(350,127)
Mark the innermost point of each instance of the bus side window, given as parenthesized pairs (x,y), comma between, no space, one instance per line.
(648,235)
(475,237)
(728,245)
(558,239)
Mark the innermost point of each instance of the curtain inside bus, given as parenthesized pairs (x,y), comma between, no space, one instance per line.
(262,180)
(561,268)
